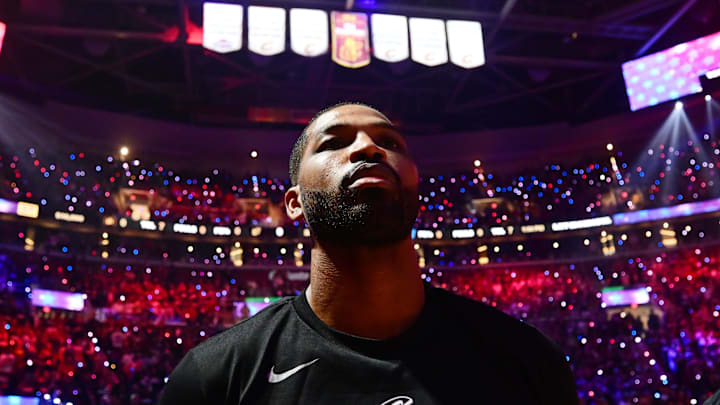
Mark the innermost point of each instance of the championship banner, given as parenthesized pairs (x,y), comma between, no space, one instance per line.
(350,42)
(465,42)
(308,31)
(266,30)
(427,41)
(222,27)
(390,37)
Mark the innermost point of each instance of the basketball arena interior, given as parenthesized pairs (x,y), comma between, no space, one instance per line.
(567,152)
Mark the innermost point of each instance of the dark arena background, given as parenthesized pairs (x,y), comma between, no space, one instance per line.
(568,156)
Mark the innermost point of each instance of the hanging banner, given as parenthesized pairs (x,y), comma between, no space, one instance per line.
(465,42)
(427,41)
(308,31)
(350,43)
(222,27)
(266,30)
(390,37)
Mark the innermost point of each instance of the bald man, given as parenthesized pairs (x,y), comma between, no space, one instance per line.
(367,330)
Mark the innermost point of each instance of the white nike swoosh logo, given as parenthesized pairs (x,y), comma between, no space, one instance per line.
(276,378)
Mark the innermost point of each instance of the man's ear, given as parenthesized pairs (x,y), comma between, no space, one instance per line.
(293,206)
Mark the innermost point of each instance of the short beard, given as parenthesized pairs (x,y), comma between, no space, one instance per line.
(368,217)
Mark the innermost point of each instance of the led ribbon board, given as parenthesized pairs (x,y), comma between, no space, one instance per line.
(656,214)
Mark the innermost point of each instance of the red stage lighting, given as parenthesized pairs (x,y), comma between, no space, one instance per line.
(2,34)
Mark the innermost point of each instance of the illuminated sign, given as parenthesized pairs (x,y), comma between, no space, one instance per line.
(680,210)
(58,299)
(3,27)
(581,224)
(619,296)
(532,228)
(713,74)
(14,399)
(462,233)
(425,234)
(221,231)
(252,305)
(671,73)
(26,209)
(69,217)
(148,225)
(185,228)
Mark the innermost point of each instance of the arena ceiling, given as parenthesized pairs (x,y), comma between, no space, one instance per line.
(547,62)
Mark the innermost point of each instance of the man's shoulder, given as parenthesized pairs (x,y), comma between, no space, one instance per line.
(246,334)
(492,323)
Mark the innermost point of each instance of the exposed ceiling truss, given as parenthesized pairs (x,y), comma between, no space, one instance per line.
(544,64)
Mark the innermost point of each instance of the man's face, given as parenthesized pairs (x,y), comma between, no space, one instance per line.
(357,181)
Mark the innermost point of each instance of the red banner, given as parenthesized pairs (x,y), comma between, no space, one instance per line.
(350,43)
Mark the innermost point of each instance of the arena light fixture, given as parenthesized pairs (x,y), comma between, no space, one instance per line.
(708,98)
(678,105)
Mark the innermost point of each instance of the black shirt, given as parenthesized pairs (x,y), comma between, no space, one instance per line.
(458,351)
(714,400)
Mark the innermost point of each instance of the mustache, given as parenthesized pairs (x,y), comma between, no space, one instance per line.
(366,165)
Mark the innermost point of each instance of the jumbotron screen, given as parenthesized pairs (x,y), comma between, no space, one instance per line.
(619,296)
(253,304)
(671,73)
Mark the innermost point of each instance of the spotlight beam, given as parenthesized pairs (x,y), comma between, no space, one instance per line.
(670,22)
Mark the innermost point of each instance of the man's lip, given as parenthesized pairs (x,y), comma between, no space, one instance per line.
(375,171)
(370,181)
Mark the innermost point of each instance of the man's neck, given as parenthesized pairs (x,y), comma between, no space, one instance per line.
(372,292)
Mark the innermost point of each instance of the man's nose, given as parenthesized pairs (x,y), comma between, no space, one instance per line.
(364,148)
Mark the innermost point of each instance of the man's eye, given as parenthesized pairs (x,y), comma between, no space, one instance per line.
(391,143)
(331,144)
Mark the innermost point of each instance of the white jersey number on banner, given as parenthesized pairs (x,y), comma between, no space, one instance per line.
(390,37)
(266,30)
(465,41)
(308,31)
(427,41)
(222,27)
